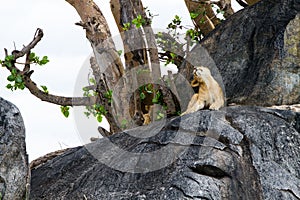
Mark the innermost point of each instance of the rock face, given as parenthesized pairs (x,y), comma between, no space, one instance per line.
(13,158)
(236,153)
(257,53)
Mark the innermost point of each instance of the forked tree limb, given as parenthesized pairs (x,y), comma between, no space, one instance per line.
(31,85)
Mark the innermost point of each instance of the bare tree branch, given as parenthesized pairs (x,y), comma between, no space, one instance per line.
(37,37)
(59,100)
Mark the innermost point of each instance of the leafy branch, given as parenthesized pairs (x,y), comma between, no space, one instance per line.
(21,78)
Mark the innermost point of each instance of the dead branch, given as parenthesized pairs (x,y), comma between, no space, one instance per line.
(37,37)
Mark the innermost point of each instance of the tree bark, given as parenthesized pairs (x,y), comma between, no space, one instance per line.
(206,20)
(137,42)
(251,2)
(98,33)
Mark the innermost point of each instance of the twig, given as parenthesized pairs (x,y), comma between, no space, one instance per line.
(37,37)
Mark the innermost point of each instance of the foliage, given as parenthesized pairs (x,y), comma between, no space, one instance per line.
(139,21)
(45,89)
(7,61)
(108,95)
(126,26)
(120,52)
(35,59)
(159,115)
(16,79)
(149,90)
(96,110)
(65,111)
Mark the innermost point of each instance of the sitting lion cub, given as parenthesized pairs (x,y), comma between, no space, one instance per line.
(210,94)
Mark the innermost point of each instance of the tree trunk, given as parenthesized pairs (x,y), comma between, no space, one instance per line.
(206,20)
(98,33)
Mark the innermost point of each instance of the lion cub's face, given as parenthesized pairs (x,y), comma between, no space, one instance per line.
(202,71)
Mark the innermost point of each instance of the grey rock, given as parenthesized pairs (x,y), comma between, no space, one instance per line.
(256,52)
(14,170)
(235,153)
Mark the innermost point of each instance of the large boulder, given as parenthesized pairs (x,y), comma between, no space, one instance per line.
(257,53)
(236,153)
(14,170)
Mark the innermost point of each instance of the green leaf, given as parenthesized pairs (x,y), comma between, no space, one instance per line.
(14,72)
(194,15)
(92,80)
(126,26)
(9,86)
(22,86)
(87,114)
(102,110)
(160,115)
(19,79)
(65,111)
(11,78)
(8,64)
(44,60)
(159,34)
(66,114)
(154,100)
(99,118)
(120,52)
(173,55)
(85,89)
(142,96)
(45,89)
(108,95)
(32,56)
(138,21)
(9,58)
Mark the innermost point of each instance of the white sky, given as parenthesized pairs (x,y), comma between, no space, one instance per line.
(67,48)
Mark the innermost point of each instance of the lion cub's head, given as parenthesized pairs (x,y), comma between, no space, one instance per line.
(200,74)
(202,71)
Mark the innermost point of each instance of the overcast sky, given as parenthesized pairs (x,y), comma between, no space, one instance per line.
(67,48)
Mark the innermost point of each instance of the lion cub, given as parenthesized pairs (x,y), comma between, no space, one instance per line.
(210,94)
